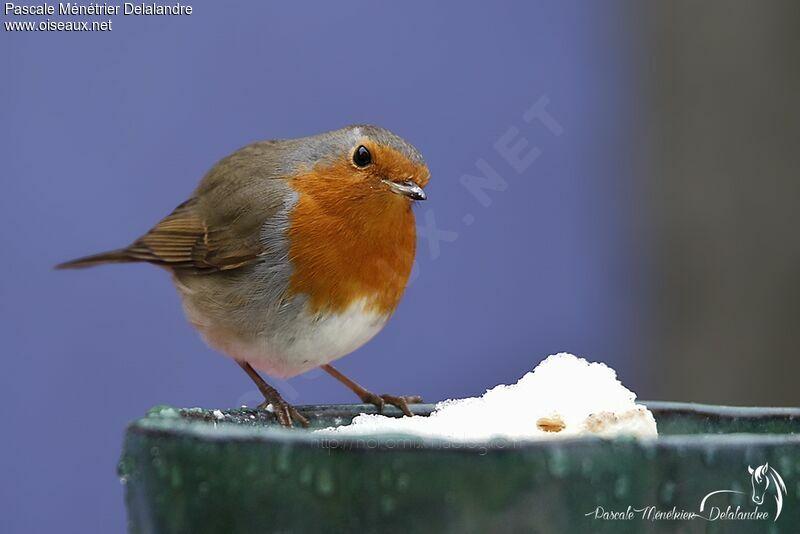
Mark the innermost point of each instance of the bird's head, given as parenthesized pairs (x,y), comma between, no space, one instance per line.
(366,163)
(380,158)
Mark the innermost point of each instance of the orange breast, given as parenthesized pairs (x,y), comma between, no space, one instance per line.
(349,240)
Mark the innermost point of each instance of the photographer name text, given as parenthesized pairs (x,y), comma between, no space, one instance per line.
(76,9)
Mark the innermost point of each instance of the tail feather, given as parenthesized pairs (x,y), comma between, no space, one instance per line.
(113,256)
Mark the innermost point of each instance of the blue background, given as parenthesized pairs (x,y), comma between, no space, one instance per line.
(103,134)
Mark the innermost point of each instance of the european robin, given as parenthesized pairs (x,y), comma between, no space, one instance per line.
(293,253)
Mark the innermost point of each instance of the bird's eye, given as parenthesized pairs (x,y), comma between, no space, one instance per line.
(362,157)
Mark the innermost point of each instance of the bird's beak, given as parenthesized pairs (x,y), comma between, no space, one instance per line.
(407,189)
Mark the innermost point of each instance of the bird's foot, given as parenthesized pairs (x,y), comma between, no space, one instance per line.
(368,397)
(380,401)
(286,414)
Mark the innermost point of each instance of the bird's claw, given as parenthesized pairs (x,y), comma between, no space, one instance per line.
(285,413)
(401,402)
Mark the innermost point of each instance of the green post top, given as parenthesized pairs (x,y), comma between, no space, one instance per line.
(196,470)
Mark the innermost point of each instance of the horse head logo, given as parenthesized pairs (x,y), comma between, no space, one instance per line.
(764,480)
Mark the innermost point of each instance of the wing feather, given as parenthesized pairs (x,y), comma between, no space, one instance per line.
(220,227)
(185,240)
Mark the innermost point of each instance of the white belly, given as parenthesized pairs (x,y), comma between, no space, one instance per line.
(307,342)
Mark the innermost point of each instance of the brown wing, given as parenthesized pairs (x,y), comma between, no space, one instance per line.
(220,227)
(186,240)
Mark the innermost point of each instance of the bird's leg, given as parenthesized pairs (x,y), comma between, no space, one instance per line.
(285,412)
(368,397)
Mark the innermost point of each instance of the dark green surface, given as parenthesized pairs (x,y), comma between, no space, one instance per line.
(186,471)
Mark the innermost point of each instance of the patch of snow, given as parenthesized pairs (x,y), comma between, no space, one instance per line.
(564,396)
